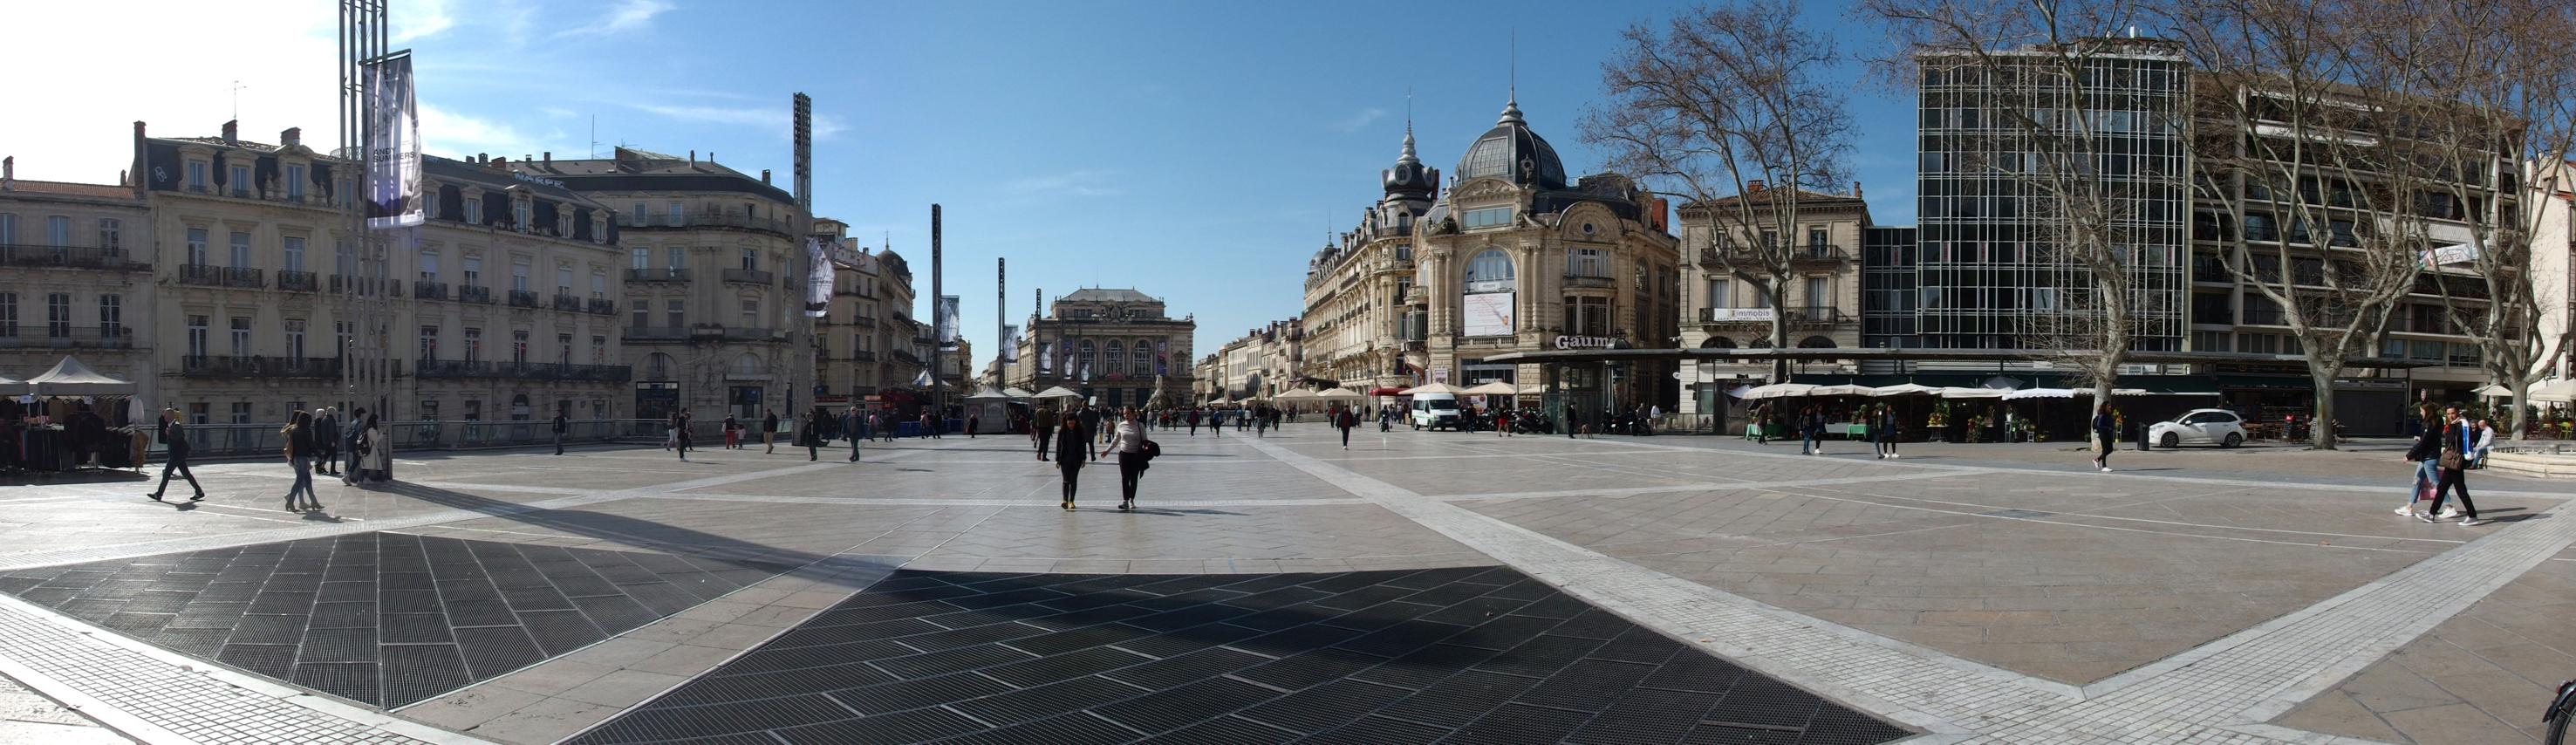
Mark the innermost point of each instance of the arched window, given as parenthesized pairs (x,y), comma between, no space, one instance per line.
(747,364)
(1718,342)
(519,407)
(657,367)
(1089,356)
(1117,361)
(1489,271)
(1815,342)
(1144,358)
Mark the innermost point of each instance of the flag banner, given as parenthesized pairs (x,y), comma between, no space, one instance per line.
(1162,357)
(818,280)
(393,145)
(947,321)
(1010,344)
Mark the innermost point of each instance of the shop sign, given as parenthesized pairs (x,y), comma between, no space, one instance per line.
(2254,369)
(1583,342)
(2369,383)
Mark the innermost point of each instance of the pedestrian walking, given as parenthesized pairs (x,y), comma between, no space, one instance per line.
(1072,449)
(1042,431)
(376,458)
(813,434)
(2459,445)
(1133,452)
(298,434)
(2428,475)
(1762,424)
(1194,422)
(1884,432)
(680,425)
(326,441)
(769,431)
(852,427)
(1344,418)
(350,437)
(563,425)
(1810,424)
(2106,435)
(174,440)
(732,432)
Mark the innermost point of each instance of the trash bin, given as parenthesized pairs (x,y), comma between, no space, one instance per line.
(2143,444)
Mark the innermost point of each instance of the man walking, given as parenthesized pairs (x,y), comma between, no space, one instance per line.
(2106,435)
(561,425)
(1884,432)
(1344,418)
(2459,445)
(326,438)
(174,437)
(854,427)
(349,444)
(769,431)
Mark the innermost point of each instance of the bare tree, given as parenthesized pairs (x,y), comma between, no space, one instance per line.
(2055,89)
(1730,101)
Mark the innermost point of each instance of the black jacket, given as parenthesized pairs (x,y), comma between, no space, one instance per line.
(2428,444)
(299,442)
(560,424)
(175,437)
(1072,446)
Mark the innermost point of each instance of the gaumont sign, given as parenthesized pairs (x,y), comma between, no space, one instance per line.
(1583,342)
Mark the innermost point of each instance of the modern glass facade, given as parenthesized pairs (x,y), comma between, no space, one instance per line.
(1887,287)
(1990,264)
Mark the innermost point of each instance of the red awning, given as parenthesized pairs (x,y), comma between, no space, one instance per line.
(1386,392)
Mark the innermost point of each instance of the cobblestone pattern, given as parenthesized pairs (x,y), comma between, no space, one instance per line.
(2241,679)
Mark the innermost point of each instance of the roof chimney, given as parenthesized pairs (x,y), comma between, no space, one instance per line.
(764,175)
(1855,189)
(9,172)
(550,156)
(293,136)
(232,132)
(1753,185)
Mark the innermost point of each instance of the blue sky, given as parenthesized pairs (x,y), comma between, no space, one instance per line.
(1198,152)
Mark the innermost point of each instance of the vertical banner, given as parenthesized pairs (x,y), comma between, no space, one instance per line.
(1010,344)
(1163,357)
(393,145)
(818,280)
(947,323)
(1064,356)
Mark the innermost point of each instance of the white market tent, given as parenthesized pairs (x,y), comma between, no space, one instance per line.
(1300,394)
(1973,392)
(12,386)
(1905,389)
(1496,388)
(1432,388)
(1017,392)
(2044,393)
(1057,392)
(1340,394)
(2492,389)
(2556,391)
(71,378)
(1841,390)
(1778,390)
(989,396)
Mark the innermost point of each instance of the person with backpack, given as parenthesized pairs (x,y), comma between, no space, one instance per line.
(174,437)
(1133,452)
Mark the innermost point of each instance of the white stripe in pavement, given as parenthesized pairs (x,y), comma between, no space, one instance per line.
(1721,486)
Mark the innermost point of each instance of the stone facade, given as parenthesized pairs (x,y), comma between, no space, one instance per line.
(1729,290)
(1116,346)
(869,321)
(76,278)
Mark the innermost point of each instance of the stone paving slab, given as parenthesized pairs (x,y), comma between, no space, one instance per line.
(1470,655)
(2480,677)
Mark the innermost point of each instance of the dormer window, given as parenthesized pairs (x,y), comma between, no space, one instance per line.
(519,215)
(197,176)
(295,184)
(241,181)
(473,209)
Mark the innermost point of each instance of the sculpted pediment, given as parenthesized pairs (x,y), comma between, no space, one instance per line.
(1485,188)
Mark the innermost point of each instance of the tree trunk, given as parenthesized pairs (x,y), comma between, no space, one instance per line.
(1780,327)
(2322,430)
(2521,385)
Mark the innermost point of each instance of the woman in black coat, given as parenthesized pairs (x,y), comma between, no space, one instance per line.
(1072,448)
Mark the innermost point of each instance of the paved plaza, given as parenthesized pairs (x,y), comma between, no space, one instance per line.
(1412,587)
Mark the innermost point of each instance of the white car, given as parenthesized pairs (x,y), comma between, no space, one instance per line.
(2200,427)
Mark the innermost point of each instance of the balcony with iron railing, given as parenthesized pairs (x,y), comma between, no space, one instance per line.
(749,276)
(429,290)
(69,257)
(64,336)
(219,276)
(672,274)
(711,219)
(295,281)
(864,321)
(523,298)
(1817,314)
(568,303)
(477,294)
(863,356)
(602,306)
(259,367)
(1818,253)
(657,333)
(1730,255)
(346,283)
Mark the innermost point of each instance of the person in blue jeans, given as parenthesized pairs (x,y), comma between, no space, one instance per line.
(2425,455)
(2106,435)
(1812,421)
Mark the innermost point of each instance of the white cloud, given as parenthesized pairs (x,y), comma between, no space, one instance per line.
(418,19)
(1354,122)
(455,135)
(636,13)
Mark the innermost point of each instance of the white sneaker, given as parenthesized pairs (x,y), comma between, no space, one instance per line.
(2474,522)
(2450,512)
(2106,469)
(2409,509)
(2426,518)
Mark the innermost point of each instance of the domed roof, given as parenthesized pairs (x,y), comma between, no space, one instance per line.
(1408,179)
(1510,150)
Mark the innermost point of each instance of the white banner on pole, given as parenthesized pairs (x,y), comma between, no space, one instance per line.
(818,280)
(393,145)
(1010,344)
(947,323)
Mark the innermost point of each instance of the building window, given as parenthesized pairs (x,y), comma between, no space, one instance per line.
(563,349)
(1144,358)
(473,271)
(643,313)
(518,347)
(241,337)
(197,176)
(1820,292)
(241,251)
(519,276)
(241,181)
(196,246)
(196,327)
(111,316)
(428,266)
(428,343)
(675,212)
(519,215)
(241,412)
(1089,355)
(1717,294)
(295,183)
(751,259)
(751,314)
(598,349)
(295,338)
(1117,362)
(642,258)
(473,345)
(58,231)
(111,234)
(1489,271)
(599,285)
(677,313)
(294,248)
(657,366)
(8,228)
(1487,217)
(344,259)
(1586,262)
(473,209)
(676,257)
(58,315)
(640,213)
(563,280)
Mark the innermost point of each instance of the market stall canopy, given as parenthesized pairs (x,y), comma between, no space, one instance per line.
(1340,394)
(989,396)
(1972,393)
(71,378)
(2556,391)
(1778,390)
(1300,394)
(1057,392)
(1386,391)
(1432,388)
(1496,388)
(2492,389)
(2001,383)
(1018,393)
(2043,393)
(1905,389)
(12,386)
(1841,390)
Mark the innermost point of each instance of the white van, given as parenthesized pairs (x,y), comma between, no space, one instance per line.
(1435,410)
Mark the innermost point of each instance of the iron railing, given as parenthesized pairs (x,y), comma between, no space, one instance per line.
(568,303)
(69,257)
(65,336)
(342,283)
(294,281)
(749,276)
(673,274)
(602,306)
(429,290)
(523,298)
(474,294)
(259,367)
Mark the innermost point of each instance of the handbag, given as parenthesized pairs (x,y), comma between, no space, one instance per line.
(2451,459)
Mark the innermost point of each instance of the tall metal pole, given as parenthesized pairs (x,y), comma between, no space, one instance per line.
(366,290)
(1001,317)
(939,320)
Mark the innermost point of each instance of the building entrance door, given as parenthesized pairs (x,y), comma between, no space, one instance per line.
(746,403)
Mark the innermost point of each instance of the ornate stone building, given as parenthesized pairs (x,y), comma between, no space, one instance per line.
(1116,346)
(75,278)
(714,281)
(1822,293)
(868,321)
(1512,259)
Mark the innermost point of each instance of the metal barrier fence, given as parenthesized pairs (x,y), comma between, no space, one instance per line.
(264,440)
